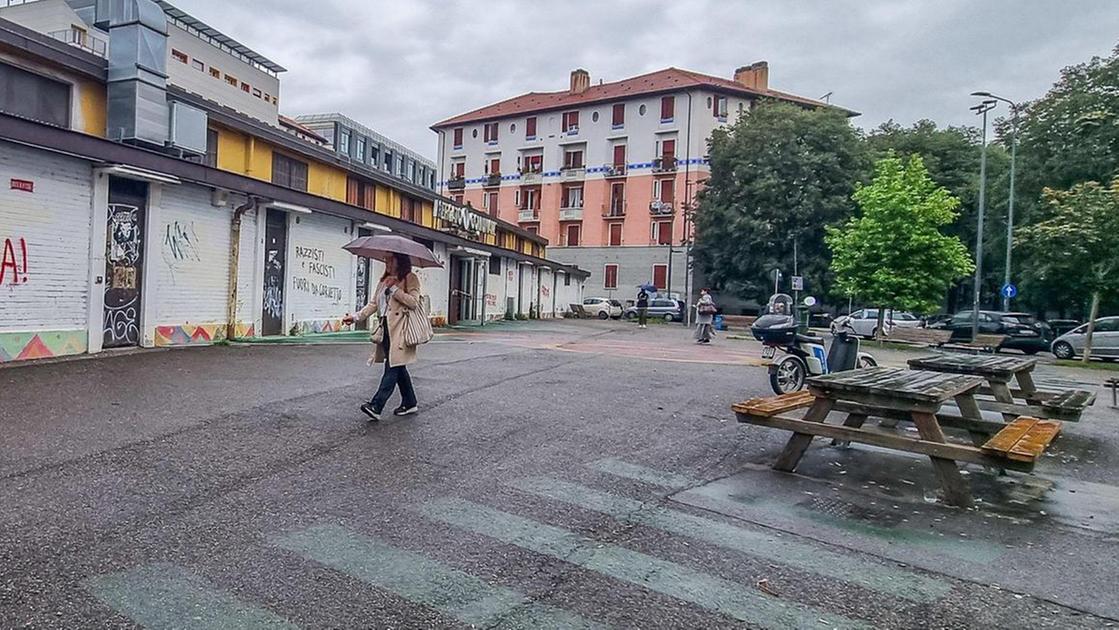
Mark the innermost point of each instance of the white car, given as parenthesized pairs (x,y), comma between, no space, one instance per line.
(1105,340)
(865,322)
(602,308)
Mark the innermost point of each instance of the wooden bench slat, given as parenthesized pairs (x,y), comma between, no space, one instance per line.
(1070,400)
(1024,439)
(1005,440)
(773,405)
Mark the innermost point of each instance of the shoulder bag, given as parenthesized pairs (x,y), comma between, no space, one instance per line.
(417,324)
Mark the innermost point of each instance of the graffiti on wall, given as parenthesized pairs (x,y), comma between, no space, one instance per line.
(180,246)
(545,291)
(491,299)
(314,274)
(13,263)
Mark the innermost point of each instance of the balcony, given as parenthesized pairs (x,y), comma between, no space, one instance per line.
(457,182)
(493,179)
(528,215)
(616,210)
(531,176)
(573,172)
(664,165)
(661,208)
(574,213)
(571,131)
(615,170)
(81,40)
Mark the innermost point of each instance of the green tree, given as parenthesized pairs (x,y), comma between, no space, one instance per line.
(1076,243)
(778,176)
(894,255)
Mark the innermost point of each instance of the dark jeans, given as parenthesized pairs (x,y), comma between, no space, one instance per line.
(393,377)
(642,313)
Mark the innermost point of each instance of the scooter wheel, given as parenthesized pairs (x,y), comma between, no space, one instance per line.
(865,362)
(787,375)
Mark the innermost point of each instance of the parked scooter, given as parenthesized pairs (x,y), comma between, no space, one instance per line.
(805,356)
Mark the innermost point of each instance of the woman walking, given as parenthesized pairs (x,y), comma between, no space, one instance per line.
(704,317)
(397,292)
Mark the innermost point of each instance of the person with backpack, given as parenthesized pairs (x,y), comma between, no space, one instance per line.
(705,317)
(642,307)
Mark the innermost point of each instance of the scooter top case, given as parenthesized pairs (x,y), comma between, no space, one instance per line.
(775,329)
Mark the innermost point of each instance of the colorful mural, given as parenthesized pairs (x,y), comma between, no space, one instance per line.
(24,346)
(318,326)
(197,334)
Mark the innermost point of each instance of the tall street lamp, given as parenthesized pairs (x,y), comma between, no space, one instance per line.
(1010,204)
(980,109)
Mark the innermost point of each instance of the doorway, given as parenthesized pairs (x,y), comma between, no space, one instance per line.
(275,255)
(124,262)
(361,290)
(463,305)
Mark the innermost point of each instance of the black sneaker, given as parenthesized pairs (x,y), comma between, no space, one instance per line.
(405,411)
(373,414)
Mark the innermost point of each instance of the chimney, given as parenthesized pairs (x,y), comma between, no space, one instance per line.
(580,81)
(754,76)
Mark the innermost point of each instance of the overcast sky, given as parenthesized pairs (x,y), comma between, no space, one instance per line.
(400,66)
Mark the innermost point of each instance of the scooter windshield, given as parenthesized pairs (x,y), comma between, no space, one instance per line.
(780,304)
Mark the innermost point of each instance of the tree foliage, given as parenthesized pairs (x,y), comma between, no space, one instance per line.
(894,255)
(779,174)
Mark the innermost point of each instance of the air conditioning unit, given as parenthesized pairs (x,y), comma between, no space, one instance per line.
(188,128)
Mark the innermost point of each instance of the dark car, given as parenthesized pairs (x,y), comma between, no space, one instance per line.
(1023,331)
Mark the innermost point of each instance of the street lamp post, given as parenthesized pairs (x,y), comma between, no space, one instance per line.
(980,109)
(1010,203)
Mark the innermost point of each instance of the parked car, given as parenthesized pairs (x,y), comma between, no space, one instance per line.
(1023,331)
(1105,340)
(602,308)
(668,310)
(865,321)
(1062,326)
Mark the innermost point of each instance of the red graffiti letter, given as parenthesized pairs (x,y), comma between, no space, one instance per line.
(9,261)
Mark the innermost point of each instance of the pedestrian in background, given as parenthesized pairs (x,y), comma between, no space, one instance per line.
(705,310)
(642,307)
(397,292)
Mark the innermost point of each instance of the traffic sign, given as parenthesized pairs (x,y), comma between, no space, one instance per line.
(1009,291)
(798,283)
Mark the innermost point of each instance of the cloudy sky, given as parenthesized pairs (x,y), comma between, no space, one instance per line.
(401,66)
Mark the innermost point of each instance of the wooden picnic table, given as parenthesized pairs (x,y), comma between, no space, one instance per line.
(1025,399)
(893,393)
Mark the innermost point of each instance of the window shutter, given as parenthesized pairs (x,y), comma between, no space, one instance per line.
(619,115)
(668,190)
(668,107)
(660,276)
(458,137)
(530,127)
(619,155)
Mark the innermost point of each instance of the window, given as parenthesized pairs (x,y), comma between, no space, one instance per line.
(388,161)
(667,150)
(457,199)
(573,232)
(572,158)
(573,196)
(533,164)
(641,110)
(566,279)
(343,141)
(530,128)
(570,122)
(494,167)
(214,72)
(664,190)
(360,193)
(663,232)
(495,265)
(457,138)
(245,87)
(618,199)
(410,209)
(458,170)
(359,150)
(490,203)
(719,108)
(610,277)
(660,277)
(668,108)
(267,99)
(181,57)
(530,198)
(618,118)
(39,98)
(615,234)
(257,93)
(289,172)
(532,229)
(231,80)
(198,65)
(211,158)
(375,154)
(619,156)
(491,133)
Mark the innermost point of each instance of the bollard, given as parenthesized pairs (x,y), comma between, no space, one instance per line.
(1114,384)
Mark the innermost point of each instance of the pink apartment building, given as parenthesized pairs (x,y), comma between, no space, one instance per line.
(608,172)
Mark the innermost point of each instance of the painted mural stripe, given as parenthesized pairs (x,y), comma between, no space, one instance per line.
(870,575)
(675,580)
(970,550)
(424,581)
(626,470)
(165,596)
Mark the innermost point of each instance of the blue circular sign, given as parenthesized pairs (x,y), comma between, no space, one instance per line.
(1009,291)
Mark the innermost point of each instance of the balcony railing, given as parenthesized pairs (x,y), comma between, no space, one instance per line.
(456,183)
(81,40)
(530,177)
(661,208)
(573,172)
(615,170)
(616,210)
(493,179)
(664,165)
(528,215)
(574,213)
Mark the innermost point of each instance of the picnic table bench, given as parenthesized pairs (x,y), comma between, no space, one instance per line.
(916,395)
(927,336)
(981,343)
(1025,399)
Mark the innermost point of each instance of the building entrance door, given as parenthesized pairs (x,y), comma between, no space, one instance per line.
(124,261)
(362,284)
(275,255)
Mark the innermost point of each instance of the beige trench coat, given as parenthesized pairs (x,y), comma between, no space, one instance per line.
(406,298)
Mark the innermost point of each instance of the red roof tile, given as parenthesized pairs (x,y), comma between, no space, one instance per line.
(665,80)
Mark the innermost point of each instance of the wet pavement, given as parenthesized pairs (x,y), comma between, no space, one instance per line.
(560,474)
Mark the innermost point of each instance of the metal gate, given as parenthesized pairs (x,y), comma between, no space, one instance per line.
(124,262)
(275,254)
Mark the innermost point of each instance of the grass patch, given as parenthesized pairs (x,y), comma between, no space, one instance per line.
(1104,366)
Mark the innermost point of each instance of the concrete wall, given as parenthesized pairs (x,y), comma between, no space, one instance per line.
(635,266)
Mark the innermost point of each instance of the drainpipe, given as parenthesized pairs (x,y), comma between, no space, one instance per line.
(234,264)
(555,286)
(685,211)
(442,137)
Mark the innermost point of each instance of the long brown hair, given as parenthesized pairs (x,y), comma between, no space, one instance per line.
(403,267)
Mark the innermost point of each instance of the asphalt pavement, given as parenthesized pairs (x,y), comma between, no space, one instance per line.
(560,475)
